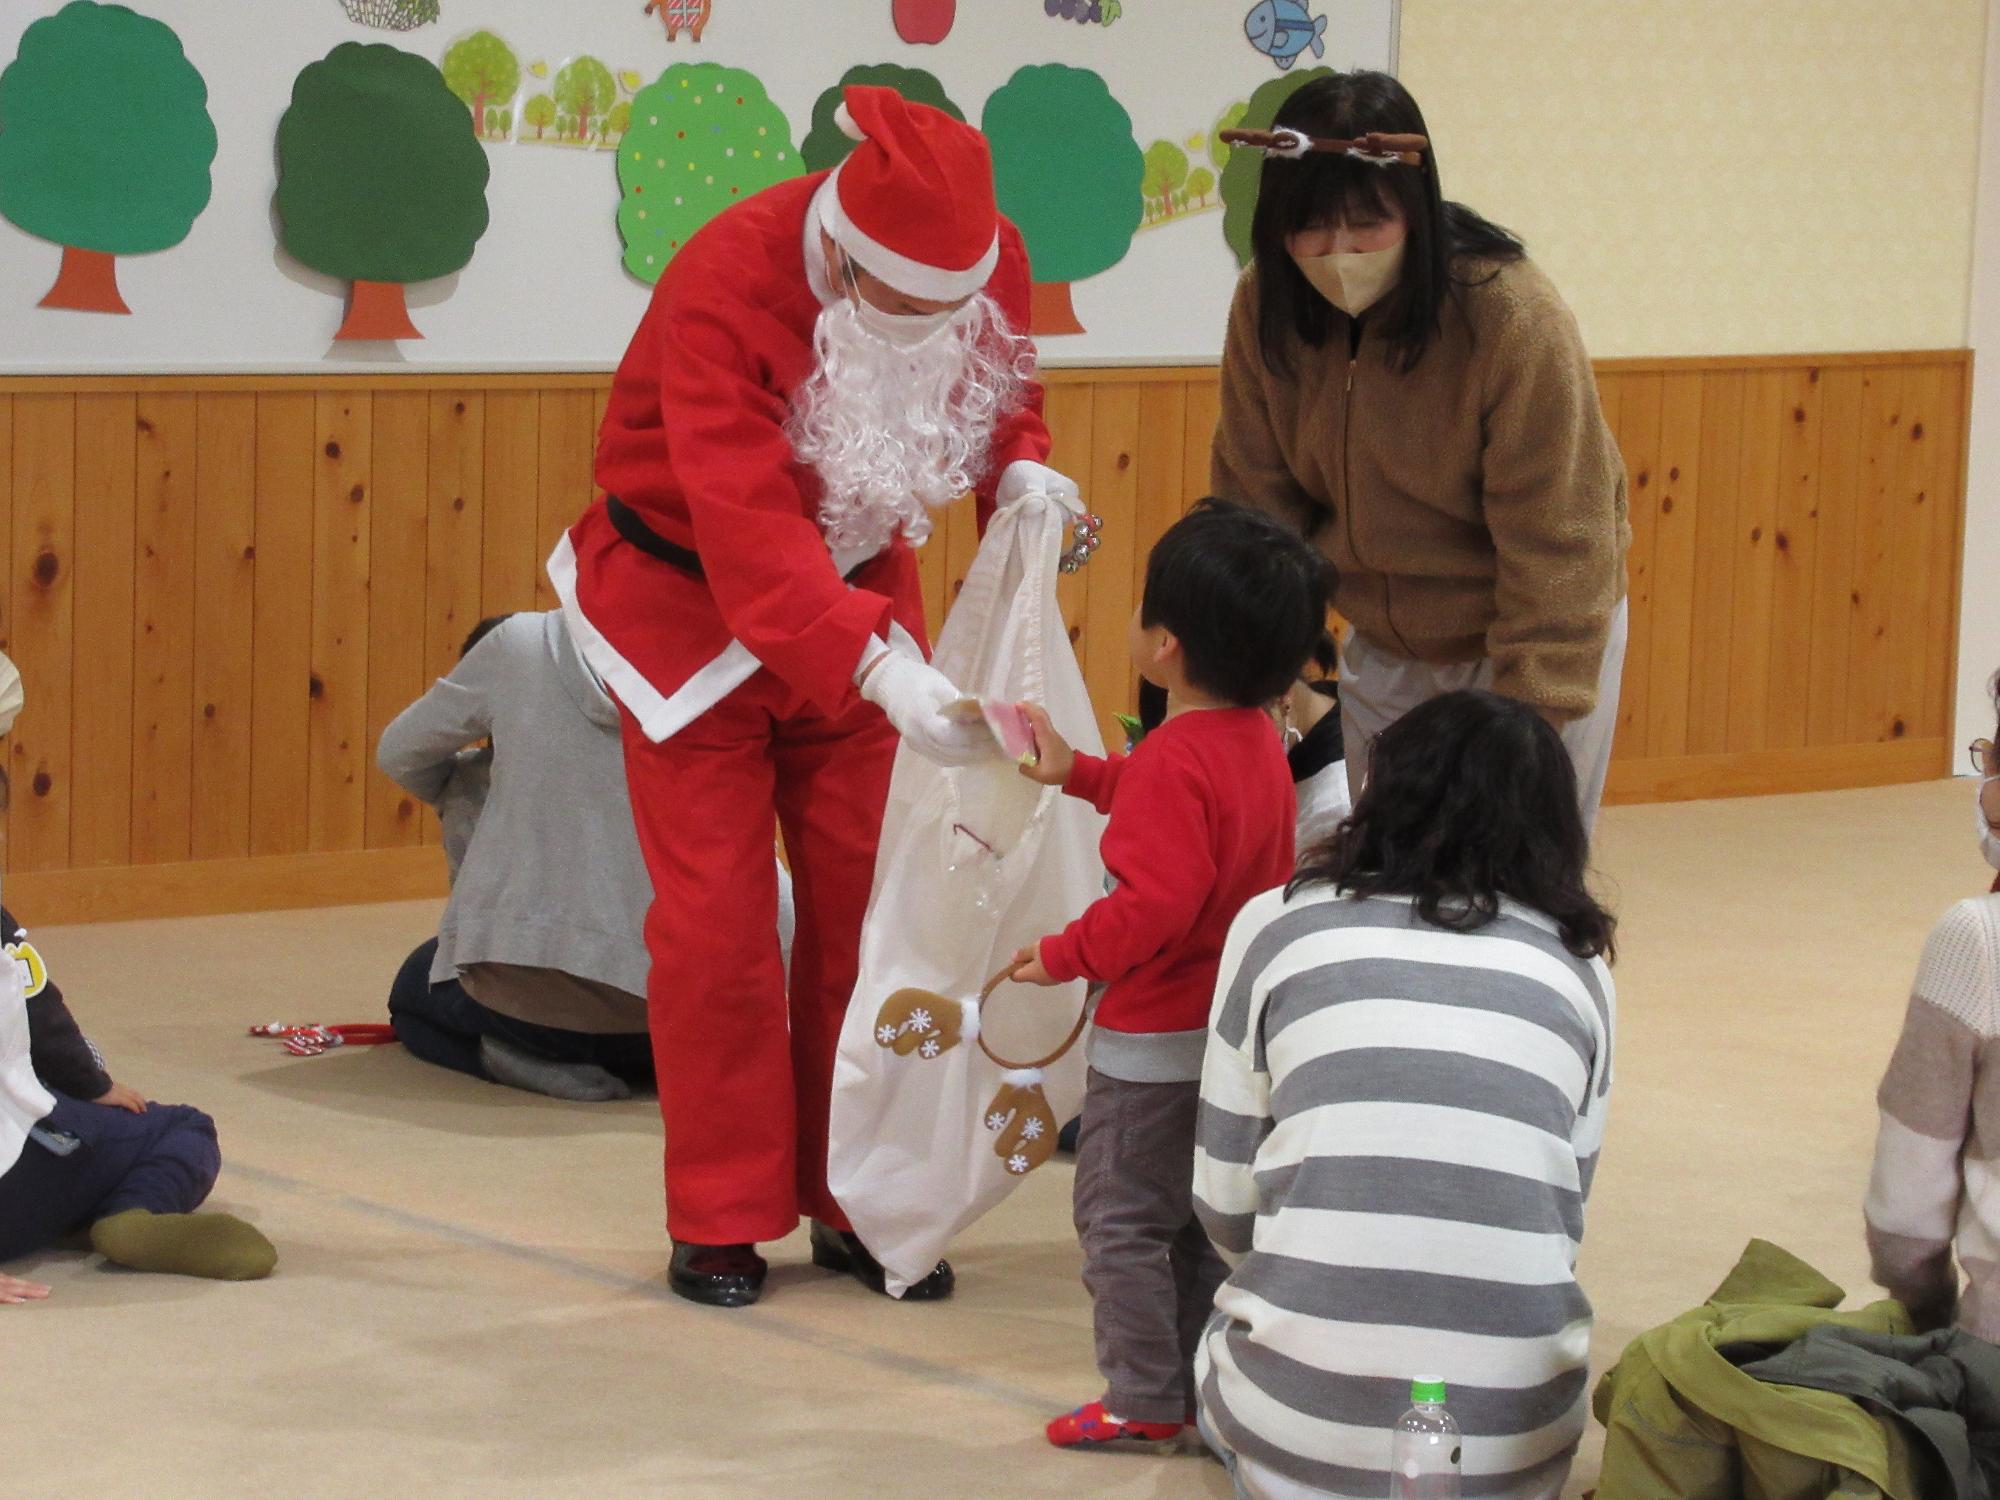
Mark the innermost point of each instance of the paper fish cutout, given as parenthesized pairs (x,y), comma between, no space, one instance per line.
(1281,30)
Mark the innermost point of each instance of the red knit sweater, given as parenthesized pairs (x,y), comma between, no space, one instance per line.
(1202,814)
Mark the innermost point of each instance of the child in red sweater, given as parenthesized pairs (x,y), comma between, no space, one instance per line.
(1202,815)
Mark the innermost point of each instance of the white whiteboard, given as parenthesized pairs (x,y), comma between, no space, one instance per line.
(546,289)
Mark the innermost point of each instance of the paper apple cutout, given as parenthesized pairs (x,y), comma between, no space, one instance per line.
(925,22)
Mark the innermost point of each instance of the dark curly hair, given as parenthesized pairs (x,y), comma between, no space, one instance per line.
(1470,797)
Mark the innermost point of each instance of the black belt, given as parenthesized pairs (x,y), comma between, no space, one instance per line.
(630,525)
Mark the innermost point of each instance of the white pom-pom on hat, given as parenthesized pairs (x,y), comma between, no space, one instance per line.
(845,122)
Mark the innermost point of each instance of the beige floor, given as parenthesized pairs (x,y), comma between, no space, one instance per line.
(469,1302)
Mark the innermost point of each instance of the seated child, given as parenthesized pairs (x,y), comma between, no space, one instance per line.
(1202,814)
(79,1152)
(1933,1190)
(537,977)
(1402,1106)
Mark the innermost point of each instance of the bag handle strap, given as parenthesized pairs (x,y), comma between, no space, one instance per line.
(1076,1031)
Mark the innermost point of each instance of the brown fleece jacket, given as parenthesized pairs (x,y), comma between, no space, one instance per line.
(1475,505)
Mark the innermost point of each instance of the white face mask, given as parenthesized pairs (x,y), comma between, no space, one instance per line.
(1354,280)
(904,330)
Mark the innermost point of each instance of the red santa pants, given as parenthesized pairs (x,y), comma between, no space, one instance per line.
(745,1071)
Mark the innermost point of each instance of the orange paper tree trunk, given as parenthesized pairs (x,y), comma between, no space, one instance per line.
(376,310)
(87,282)
(1050,309)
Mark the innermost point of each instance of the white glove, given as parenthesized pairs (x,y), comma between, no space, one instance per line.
(1025,477)
(913,693)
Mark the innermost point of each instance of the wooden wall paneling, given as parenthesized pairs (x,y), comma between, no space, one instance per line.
(451,596)
(1870,681)
(564,487)
(933,565)
(1801,418)
(336,809)
(1071,417)
(1946,471)
(7,597)
(1849,391)
(1677,491)
(1913,523)
(100,820)
(44,528)
(1712,588)
(1163,461)
(225,584)
(512,554)
(1204,411)
(1638,433)
(1113,488)
(281,669)
(163,647)
(1765,416)
(399,522)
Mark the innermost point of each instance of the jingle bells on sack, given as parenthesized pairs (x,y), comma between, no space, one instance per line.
(927,1025)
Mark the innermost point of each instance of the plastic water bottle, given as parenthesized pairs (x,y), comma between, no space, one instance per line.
(1424,1460)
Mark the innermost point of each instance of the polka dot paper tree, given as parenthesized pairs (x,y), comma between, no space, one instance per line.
(701,138)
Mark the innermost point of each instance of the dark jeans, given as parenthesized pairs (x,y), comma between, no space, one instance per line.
(165,1160)
(1151,1271)
(442,1024)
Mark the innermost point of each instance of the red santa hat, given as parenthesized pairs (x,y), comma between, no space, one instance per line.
(914,202)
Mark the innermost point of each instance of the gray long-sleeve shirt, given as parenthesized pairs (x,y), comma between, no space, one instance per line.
(552,877)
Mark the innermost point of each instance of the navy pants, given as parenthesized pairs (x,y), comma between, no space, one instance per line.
(165,1160)
(442,1024)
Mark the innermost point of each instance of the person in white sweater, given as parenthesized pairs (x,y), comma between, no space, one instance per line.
(1403,1101)
(1934,1190)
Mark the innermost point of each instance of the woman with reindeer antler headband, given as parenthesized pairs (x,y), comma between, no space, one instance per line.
(1405,385)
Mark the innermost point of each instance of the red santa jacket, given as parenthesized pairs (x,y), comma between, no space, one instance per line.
(694,442)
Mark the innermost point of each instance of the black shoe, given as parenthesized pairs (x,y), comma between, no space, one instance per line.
(842,1250)
(717,1275)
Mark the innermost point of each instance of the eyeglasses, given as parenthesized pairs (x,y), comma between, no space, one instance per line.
(1978,751)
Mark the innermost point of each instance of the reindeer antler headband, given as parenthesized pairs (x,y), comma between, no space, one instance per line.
(1375,148)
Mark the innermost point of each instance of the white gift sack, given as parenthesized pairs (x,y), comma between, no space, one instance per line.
(928,1132)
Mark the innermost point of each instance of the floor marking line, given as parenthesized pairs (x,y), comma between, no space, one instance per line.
(759,1318)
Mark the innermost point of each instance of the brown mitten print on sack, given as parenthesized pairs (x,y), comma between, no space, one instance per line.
(917,1021)
(1020,1116)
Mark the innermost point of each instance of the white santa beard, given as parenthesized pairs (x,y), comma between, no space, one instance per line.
(892,431)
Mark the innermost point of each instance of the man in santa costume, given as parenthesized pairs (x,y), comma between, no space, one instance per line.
(821,366)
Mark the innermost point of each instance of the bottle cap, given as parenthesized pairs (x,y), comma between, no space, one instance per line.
(1427,1390)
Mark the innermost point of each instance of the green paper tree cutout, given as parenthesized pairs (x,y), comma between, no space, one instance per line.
(483,71)
(540,112)
(827,145)
(105,145)
(1069,175)
(1200,183)
(585,92)
(1166,175)
(1242,171)
(380,180)
(702,137)
(1230,119)
(391,15)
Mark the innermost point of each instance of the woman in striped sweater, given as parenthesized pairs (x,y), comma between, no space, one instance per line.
(1402,1102)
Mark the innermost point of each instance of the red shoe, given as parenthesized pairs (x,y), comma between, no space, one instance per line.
(1088,1427)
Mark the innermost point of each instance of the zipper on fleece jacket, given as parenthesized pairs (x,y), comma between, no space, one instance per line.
(1347,483)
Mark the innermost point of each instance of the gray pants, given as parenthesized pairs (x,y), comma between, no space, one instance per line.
(1151,1271)
(1379,685)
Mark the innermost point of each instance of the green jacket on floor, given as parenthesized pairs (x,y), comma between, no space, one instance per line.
(1684,1423)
